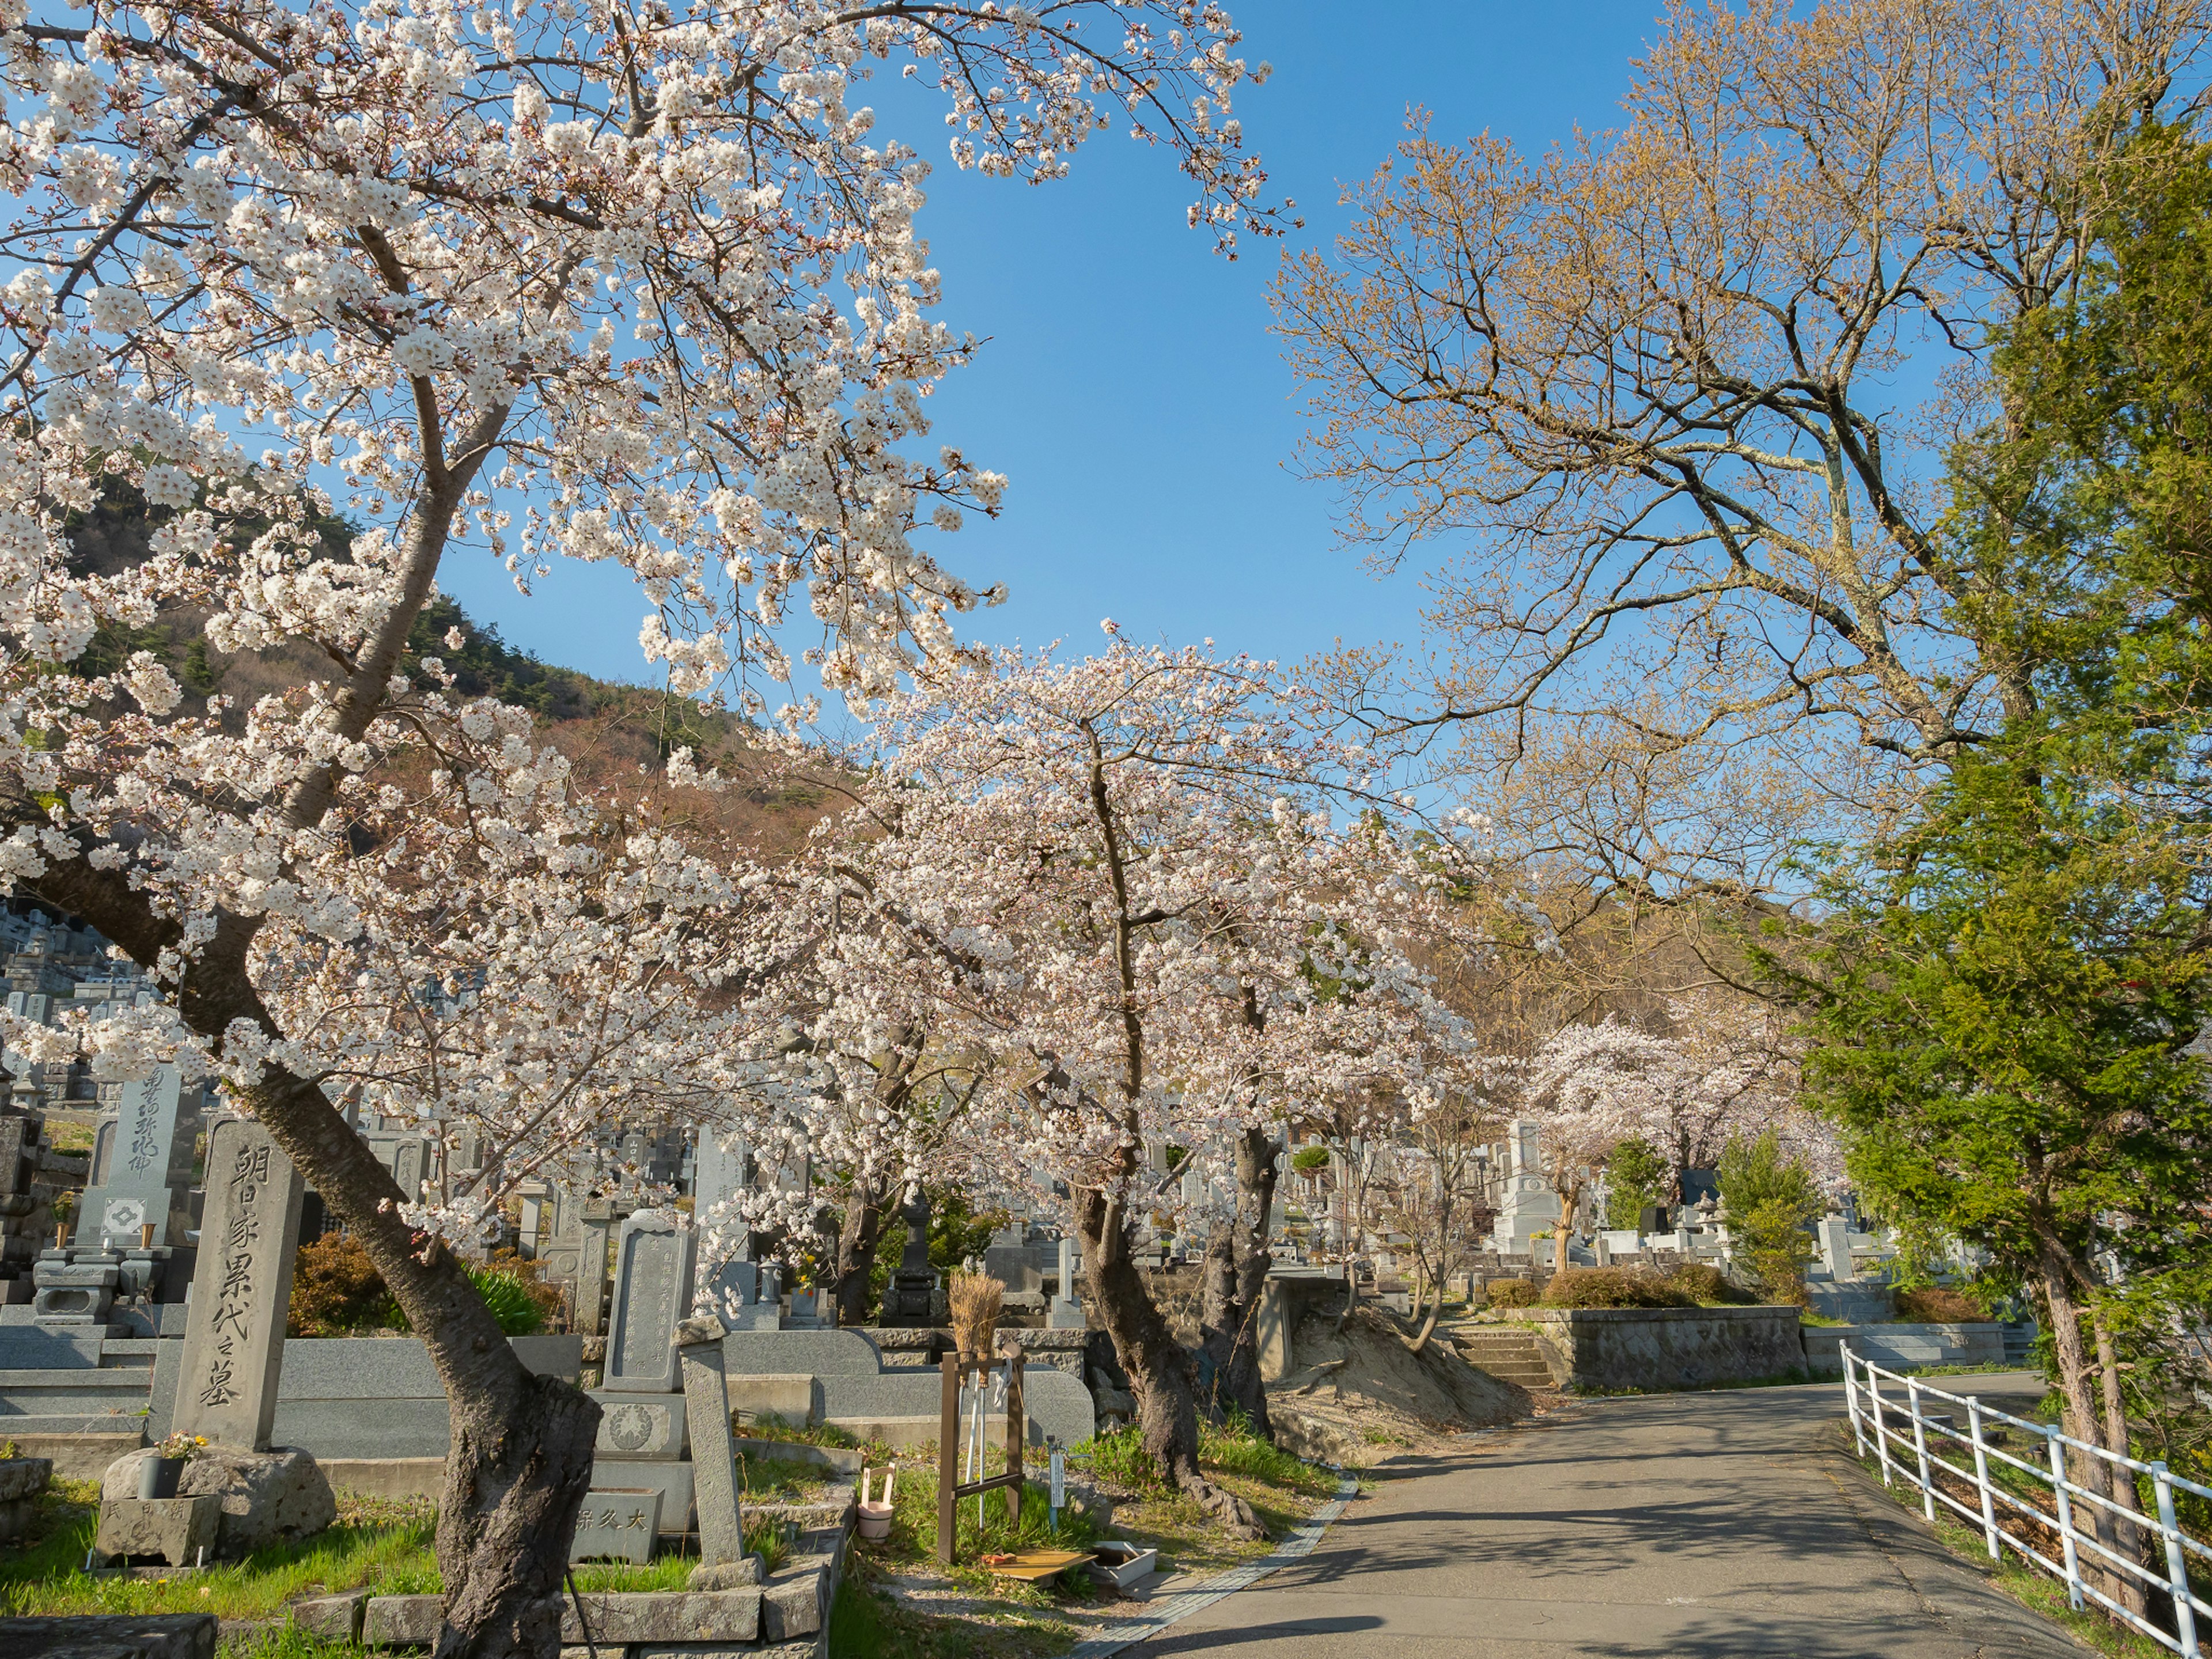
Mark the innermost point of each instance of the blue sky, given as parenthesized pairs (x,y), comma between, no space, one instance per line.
(1130,388)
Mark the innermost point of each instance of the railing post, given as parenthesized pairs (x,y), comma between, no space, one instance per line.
(1851,1401)
(1881,1433)
(1920,1448)
(1982,1477)
(2065,1519)
(2176,1563)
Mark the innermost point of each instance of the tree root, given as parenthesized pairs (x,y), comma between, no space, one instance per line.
(1238,1518)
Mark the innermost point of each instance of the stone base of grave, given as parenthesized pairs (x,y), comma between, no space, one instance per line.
(181,1531)
(268,1497)
(21,1480)
(126,1636)
(790,1606)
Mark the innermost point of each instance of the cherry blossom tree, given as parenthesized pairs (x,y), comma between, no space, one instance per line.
(1139,923)
(635,283)
(1723,1070)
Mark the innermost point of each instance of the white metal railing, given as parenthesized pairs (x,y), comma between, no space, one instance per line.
(1908,1441)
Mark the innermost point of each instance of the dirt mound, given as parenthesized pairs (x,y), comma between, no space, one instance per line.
(1355,1397)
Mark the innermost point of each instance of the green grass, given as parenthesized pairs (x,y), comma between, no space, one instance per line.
(386,1546)
(2028,1585)
(1233,1449)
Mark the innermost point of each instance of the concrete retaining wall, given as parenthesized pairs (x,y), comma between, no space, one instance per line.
(1665,1348)
(1904,1347)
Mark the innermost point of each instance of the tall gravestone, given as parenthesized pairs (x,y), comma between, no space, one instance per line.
(577,1256)
(141,1166)
(743,1291)
(912,1296)
(242,1291)
(1527,1204)
(653,1290)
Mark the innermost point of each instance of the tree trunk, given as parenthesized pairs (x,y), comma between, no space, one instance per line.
(1236,1265)
(1428,1307)
(2115,1440)
(858,1235)
(520,1461)
(1159,1369)
(2053,1269)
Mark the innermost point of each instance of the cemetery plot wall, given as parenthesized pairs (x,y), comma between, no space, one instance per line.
(1666,1347)
(1904,1347)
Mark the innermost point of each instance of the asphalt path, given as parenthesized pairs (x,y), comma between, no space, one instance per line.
(1661,1526)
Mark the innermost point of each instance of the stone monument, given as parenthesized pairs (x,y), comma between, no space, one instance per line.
(234,1331)
(653,1291)
(141,1167)
(913,1295)
(1527,1206)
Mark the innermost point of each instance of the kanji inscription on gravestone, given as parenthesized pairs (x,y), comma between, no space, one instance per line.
(242,1291)
(141,1165)
(653,1290)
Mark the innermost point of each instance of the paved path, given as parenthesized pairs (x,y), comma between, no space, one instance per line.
(1706,1525)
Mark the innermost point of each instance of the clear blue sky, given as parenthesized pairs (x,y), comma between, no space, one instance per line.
(1130,388)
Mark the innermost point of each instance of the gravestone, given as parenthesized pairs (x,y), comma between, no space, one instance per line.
(616,1523)
(1066,1310)
(141,1166)
(720,1170)
(653,1291)
(405,1157)
(234,1331)
(911,1297)
(1527,1206)
(714,1454)
(1834,1234)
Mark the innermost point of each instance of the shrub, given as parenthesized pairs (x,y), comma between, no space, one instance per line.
(336,1290)
(1511,1293)
(1939,1305)
(1612,1287)
(512,1301)
(1702,1282)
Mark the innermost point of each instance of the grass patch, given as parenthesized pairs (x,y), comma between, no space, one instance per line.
(2030,1586)
(388,1547)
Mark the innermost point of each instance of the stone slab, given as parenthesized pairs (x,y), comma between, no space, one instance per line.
(122,1636)
(617,1525)
(395,1478)
(333,1618)
(401,1621)
(672,1480)
(24,1477)
(1666,1347)
(75,1454)
(180,1530)
(796,1399)
(714,1463)
(639,1426)
(360,1367)
(791,1603)
(235,1339)
(846,1352)
(731,1615)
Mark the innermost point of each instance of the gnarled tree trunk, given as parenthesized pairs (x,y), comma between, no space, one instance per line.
(1159,1367)
(1236,1264)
